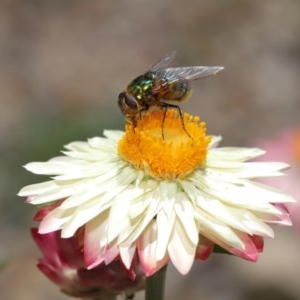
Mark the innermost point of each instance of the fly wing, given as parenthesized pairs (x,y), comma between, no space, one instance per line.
(163,62)
(188,73)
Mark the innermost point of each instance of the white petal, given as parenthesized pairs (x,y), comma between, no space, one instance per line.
(127,254)
(96,156)
(105,186)
(268,193)
(259,170)
(55,220)
(222,164)
(229,216)
(245,171)
(49,168)
(181,250)
(95,241)
(90,170)
(38,188)
(165,224)
(114,135)
(257,226)
(213,207)
(216,139)
(94,145)
(213,226)
(91,209)
(111,252)
(118,217)
(140,197)
(82,215)
(240,194)
(147,249)
(131,234)
(185,213)
(54,195)
(167,194)
(78,146)
(234,153)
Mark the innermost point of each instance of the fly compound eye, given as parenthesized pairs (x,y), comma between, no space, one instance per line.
(121,102)
(130,102)
(127,104)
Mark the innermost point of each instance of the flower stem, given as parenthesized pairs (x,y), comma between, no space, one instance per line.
(155,285)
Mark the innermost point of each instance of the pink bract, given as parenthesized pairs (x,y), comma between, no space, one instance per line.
(63,264)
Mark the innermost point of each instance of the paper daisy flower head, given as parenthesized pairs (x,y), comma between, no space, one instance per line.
(63,264)
(137,194)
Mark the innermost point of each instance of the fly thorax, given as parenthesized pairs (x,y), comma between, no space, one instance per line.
(140,88)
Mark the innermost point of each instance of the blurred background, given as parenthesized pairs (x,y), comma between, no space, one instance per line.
(63,64)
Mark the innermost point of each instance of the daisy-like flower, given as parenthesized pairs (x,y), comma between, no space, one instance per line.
(137,194)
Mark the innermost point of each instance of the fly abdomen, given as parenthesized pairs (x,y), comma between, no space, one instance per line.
(178,91)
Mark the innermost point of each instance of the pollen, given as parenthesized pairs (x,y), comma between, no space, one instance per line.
(164,150)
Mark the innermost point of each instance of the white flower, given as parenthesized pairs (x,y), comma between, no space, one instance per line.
(161,199)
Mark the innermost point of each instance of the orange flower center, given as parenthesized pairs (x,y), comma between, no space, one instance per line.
(174,156)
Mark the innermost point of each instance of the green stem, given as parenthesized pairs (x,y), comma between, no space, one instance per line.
(155,285)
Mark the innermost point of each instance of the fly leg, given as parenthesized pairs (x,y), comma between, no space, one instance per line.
(133,119)
(165,107)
